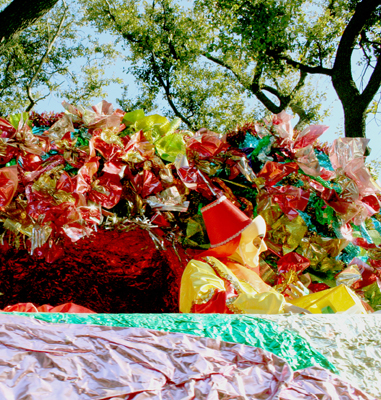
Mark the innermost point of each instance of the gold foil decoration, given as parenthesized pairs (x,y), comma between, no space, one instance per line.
(270,212)
(63,125)
(47,182)
(288,233)
(372,294)
(330,264)
(17,227)
(3,147)
(322,252)
(63,197)
(111,136)
(133,156)
(266,272)
(207,167)
(313,251)
(289,277)
(166,175)
(374,254)
(196,235)
(100,189)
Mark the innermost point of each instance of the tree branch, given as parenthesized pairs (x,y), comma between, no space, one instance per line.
(168,95)
(255,88)
(223,64)
(354,102)
(29,86)
(128,36)
(270,105)
(374,83)
(298,65)
(300,84)
(349,38)
(19,15)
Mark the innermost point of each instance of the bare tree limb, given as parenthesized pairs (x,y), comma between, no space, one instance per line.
(342,65)
(354,102)
(258,90)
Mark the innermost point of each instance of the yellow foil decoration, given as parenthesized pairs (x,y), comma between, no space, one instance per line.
(339,299)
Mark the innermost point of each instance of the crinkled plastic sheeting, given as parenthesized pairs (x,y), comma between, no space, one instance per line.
(351,342)
(248,330)
(84,362)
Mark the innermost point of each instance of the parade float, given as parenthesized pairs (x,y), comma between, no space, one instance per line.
(109,216)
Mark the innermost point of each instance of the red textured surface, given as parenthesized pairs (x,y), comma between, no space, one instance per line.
(109,272)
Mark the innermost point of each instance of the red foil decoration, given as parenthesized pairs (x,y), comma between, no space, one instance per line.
(146,183)
(292,262)
(108,272)
(107,190)
(274,172)
(206,144)
(290,199)
(63,308)
(30,161)
(317,287)
(8,184)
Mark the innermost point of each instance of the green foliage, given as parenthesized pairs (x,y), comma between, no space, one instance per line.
(39,62)
(216,63)
(164,43)
(208,59)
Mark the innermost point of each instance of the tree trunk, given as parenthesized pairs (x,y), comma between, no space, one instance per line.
(354,104)
(19,15)
(354,119)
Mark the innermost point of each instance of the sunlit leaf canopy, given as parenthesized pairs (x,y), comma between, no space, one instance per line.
(55,55)
(210,63)
(203,54)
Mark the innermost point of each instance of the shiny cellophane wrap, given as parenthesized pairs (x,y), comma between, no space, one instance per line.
(351,342)
(347,344)
(231,328)
(76,361)
(90,170)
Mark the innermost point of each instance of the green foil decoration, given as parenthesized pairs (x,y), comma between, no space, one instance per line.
(242,329)
(170,146)
(373,294)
